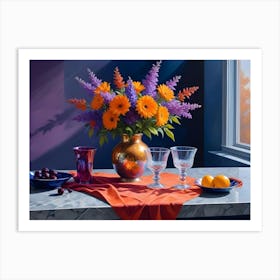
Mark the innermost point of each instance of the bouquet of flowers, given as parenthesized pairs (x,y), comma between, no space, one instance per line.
(133,107)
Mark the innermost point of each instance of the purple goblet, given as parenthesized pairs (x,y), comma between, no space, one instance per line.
(84,163)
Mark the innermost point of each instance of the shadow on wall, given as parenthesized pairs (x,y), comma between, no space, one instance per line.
(54,133)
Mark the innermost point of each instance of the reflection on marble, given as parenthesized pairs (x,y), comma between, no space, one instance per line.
(46,205)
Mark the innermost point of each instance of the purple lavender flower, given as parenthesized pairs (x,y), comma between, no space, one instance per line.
(107,96)
(172,106)
(94,80)
(177,108)
(151,80)
(84,84)
(192,106)
(131,93)
(173,82)
(91,116)
(131,117)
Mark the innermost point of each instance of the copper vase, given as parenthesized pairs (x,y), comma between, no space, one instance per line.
(129,157)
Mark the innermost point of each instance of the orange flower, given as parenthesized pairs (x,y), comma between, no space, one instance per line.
(103,87)
(118,79)
(146,107)
(138,87)
(92,124)
(165,92)
(97,102)
(186,92)
(79,103)
(162,116)
(110,120)
(119,105)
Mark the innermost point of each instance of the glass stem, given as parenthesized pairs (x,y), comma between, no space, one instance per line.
(156,177)
(183,175)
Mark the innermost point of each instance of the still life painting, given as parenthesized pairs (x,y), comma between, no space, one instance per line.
(139,139)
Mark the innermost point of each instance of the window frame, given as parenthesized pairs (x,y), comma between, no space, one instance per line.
(231,113)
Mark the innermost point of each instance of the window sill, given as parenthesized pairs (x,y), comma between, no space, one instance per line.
(230,157)
(236,151)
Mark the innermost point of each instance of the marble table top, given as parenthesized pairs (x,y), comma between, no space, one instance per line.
(45,205)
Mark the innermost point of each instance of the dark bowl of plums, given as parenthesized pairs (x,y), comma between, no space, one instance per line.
(48,178)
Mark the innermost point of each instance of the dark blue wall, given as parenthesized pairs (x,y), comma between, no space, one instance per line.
(213,105)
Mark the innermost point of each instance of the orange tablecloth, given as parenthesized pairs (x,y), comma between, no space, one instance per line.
(134,201)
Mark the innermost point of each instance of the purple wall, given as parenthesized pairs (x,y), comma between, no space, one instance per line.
(50,115)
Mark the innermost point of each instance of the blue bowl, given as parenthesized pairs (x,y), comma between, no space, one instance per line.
(233,183)
(62,177)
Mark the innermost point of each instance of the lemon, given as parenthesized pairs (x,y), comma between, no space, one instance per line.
(207,181)
(221,181)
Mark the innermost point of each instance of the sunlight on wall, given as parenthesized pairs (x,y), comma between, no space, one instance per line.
(244,90)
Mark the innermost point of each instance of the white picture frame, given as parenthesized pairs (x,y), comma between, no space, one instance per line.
(24,58)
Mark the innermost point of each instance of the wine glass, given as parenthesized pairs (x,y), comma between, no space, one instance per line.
(183,157)
(156,162)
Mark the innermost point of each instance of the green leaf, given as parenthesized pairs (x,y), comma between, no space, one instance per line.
(161,131)
(102,140)
(176,120)
(147,133)
(169,133)
(153,130)
(169,126)
(90,132)
(129,130)
(139,125)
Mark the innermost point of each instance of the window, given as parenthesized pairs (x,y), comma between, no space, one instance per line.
(236,106)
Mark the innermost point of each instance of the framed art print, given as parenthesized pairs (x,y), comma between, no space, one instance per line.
(139,139)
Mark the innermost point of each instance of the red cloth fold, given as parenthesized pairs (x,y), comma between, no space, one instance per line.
(135,201)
